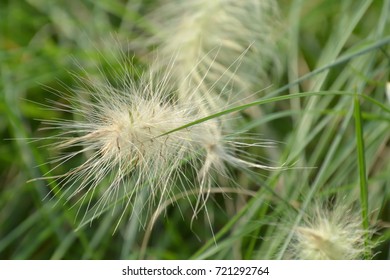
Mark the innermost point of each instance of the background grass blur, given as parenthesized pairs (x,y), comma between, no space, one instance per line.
(42,42)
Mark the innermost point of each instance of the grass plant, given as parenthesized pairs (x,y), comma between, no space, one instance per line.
(320,99)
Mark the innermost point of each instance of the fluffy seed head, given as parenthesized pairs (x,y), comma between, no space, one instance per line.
(121,132)
(221,47)
(326,234)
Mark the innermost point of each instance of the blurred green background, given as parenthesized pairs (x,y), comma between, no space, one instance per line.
(43,42)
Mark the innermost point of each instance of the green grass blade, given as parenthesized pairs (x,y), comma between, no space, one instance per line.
(339,61)
(361,169)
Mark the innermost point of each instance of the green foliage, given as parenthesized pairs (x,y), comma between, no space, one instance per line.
(328,112)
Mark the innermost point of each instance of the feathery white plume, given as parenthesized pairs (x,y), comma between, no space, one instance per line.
(123,132)
(329,234)
(222,47)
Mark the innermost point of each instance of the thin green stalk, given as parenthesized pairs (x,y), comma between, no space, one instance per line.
(272,100)
(362,170)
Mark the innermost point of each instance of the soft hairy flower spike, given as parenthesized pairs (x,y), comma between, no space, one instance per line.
(326,234)
(221,47)
(119,130)
(122,132)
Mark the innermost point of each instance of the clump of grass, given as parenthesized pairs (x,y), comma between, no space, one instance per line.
(222,64)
